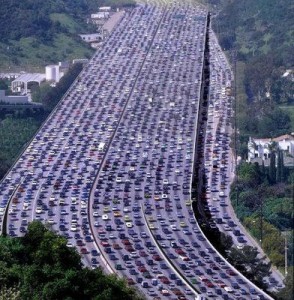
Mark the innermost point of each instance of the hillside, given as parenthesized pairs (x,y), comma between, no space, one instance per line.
(44,32)
(262,33)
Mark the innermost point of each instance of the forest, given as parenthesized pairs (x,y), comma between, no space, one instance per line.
(41,266)
(44,32)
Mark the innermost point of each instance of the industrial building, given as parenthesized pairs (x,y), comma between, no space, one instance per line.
(21,83)
(52,73)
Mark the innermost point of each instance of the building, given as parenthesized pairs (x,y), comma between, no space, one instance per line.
(52,73)
(13,99)
(92,37)
(105,8)
(260,150)
(80,60)
(100,15)
(21,83)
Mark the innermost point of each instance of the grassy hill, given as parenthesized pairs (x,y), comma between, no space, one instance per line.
(44,32)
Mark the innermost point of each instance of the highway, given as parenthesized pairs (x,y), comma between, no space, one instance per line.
(111,168)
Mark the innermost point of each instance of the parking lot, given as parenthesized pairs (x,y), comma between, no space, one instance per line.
(111,168)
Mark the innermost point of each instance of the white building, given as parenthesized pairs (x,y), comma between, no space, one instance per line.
(92,37)
(52,73)
(100,15)
(260,149)
(20,84)
(105,8)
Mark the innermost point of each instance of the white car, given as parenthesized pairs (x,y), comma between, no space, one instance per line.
(129,224)
(95,214)
(39,210)
(73,227)
(105,217)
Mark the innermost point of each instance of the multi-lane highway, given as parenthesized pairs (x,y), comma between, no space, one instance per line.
(111,168)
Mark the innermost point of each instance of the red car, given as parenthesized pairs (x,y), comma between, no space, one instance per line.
(156,257)
(208,284)
(142,269)
(105,244)
(230,272)
(131,281)
(164,280)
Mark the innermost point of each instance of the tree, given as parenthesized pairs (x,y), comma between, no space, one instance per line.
(287,292)
(41,266)
(246,261)
(272,168)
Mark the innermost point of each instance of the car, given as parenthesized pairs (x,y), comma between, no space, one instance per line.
(228,289)
(84,251)
(130,281)
(129,224)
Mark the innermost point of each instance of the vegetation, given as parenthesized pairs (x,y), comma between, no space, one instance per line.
(44,32)
(41,266)
(246,260)
(263,201)
(17,126)
(258,35)
(287,292)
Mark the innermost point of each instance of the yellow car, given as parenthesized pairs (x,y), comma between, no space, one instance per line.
(150,219)
(183,224)
(117,214)
(152,226)
(157,198)
(106,209)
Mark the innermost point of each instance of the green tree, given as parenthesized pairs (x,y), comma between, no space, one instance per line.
(41,266)
(246,260)
(272,168)
(287,292)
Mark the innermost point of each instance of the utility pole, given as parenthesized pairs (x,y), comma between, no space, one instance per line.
(235,124)
(286,256)
(261,220)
